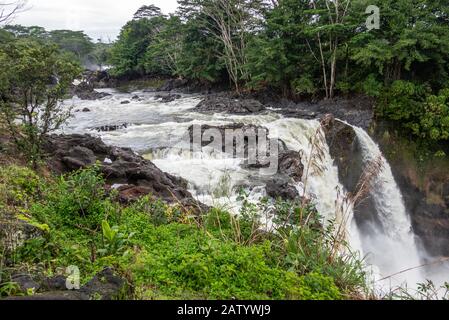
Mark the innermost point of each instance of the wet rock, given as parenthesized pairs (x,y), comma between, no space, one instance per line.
(98,79)
(345,150)
(225,104)
(279,188)
(430,220)
(251,136)
(290,164)
(86,91)
(186,86)
(167,97)
(125,102)
(72,152)
(136,97)
(86,110)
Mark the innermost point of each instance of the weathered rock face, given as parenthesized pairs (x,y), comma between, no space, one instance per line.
(173,84)
(345,149)
(430,220)
(425,188)
(290,164)
(428,208)
(227,104)
(119,166)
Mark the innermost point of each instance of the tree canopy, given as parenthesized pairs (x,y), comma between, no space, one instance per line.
(303,49)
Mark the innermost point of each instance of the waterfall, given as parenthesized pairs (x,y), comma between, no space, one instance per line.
(155,127)
(391,247)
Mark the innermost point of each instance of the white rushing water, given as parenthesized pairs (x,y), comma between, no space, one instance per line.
(157,129)
(392,248)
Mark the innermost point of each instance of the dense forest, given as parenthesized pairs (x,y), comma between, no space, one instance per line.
(75,45)
(304,49)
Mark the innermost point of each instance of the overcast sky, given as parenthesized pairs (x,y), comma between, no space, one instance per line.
(98,18)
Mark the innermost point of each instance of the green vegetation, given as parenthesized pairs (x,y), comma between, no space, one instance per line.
(304,49)
(35,78)
(166,253)
(75,44)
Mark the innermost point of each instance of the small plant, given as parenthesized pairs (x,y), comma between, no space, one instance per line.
(9,289)
(114,242)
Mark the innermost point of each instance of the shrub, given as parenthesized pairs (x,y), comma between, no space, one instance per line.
(315,286)
(18,185)
(77,200)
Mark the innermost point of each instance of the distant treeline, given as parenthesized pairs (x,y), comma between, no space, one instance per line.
(303,49)
(76,44)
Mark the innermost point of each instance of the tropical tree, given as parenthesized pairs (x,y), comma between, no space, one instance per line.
(129,51)
(76,42)
(33,81)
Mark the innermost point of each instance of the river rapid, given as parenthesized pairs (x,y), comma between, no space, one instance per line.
(156,130)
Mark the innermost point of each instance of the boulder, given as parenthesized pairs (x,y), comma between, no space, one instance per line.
(86,91)
(280,188)
(79,157)
(226,104)
(125,102)
(124,167)
(357,110)
(290,164)
(167,97)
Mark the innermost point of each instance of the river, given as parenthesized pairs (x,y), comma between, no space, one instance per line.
(156,130)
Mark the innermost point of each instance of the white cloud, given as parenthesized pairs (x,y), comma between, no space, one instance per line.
(98,18)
